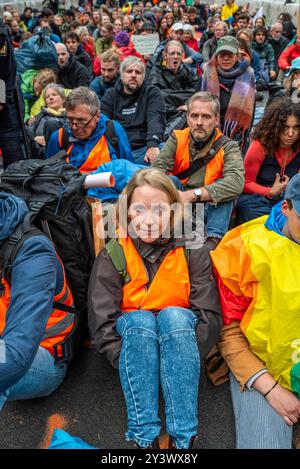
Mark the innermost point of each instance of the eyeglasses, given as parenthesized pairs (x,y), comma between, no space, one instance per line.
(287,128)
(80,123)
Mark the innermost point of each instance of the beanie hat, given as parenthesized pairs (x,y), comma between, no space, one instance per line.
(122,39)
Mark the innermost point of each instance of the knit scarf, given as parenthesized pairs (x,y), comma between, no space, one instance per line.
(239,112)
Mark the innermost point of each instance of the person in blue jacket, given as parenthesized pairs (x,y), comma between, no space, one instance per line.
(88,144)
(27,365)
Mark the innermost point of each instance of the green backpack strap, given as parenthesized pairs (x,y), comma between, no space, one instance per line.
(116,253)
(187,255)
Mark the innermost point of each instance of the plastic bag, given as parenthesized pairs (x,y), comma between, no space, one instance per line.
(36,53)
(63,440)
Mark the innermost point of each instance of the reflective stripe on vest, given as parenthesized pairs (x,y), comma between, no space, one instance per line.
(170,286)
(213,169)
(59,324)
(97,156)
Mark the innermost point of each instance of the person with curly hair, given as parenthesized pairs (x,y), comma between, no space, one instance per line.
(272,159)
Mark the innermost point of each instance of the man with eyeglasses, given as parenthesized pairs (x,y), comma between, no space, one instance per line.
(90,139)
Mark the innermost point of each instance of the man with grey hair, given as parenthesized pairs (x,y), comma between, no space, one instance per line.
(71,73)
(210,46)
(91,139)
(277,41)
(208,164)
(139,107)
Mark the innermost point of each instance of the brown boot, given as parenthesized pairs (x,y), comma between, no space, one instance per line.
(172,444)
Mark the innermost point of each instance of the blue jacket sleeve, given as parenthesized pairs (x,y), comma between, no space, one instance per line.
(52,146)
(35,277)
(124,145)
(196,56)
(255,64)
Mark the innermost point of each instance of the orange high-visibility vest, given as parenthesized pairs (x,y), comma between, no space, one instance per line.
(214,168)
(170,286)
(97,156)
(59,324)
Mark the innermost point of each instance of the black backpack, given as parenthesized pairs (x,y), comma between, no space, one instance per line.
(54,194)
(72,344)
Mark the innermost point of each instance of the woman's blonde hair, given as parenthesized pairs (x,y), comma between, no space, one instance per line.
(46,76)
(157,179)
(288,82)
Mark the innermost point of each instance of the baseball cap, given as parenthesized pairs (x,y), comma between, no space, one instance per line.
(177,27)
(228,43)
(292,192)
(295,65)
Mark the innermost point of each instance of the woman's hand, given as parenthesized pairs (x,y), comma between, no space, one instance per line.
(280,399)
(31,121)
(285,404)
(279,186)
(40,140)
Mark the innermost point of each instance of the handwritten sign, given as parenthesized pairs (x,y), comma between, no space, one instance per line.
(145,44)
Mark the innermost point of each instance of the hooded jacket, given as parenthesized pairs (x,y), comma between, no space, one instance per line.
(36,277)
(288,55)
(142,114)
(82,148)
(258,278)
(74,74)
(265,52)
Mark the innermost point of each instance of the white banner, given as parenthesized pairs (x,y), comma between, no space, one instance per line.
(145,44)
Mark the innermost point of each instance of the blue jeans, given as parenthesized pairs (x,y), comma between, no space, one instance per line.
(42,379)
(217,218)
(257,425)
(251,206)
(160,349)
(139,154)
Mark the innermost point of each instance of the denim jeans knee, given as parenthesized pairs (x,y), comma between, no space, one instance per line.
(140,319)
(176,318)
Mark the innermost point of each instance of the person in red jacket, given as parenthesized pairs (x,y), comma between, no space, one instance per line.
(188,37)
(124,46)
(289,54)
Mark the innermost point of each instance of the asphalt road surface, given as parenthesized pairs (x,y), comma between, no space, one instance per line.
(90,404)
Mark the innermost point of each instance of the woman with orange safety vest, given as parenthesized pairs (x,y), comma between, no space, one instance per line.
(150,301)
(32,325)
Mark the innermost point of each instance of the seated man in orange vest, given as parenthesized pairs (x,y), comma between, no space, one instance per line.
(32,325)
(208,164)
(91,138)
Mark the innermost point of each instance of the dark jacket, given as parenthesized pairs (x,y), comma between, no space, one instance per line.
(73,75)
(265,52)
(106,293)
(165,79)
(209,48)
(36,277)
(84,58)
(100,86)
(7,65)
(278,47)
(142,114)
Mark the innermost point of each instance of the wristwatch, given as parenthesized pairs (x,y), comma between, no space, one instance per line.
(198,193)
